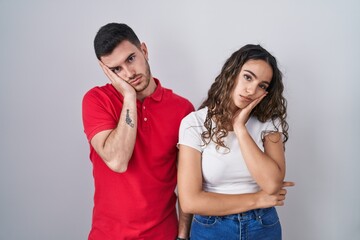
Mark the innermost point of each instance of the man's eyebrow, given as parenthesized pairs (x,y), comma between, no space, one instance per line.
(117,67)
(130,55)
(113,68)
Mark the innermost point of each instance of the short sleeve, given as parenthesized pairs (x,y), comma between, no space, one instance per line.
(97,113)
(271,126)
(190,133)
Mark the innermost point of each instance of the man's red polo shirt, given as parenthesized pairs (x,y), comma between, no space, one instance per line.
(140,203)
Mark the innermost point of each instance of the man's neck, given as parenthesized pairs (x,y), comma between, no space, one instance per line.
(150,89)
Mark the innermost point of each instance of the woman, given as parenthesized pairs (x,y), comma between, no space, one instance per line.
(231,151)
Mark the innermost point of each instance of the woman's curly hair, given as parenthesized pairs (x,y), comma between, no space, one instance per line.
(219,99)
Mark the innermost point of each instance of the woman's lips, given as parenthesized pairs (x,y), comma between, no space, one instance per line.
(246,98)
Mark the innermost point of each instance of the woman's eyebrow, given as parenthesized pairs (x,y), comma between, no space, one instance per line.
(254,75)
(251,73)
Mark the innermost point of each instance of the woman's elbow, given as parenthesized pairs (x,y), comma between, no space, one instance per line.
(272,187)
(187,205)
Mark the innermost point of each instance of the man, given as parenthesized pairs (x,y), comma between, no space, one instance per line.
(132,127)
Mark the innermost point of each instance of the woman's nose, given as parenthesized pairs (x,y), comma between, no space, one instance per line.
(250,89)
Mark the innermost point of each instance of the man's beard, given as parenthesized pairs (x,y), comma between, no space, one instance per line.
(147,78)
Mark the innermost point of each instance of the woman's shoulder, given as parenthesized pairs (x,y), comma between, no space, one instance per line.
(198,114)
(196,117)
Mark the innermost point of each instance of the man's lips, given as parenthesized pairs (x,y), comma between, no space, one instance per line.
(135,80)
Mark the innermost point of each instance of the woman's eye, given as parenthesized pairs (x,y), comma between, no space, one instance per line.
(263,86)
(247,77)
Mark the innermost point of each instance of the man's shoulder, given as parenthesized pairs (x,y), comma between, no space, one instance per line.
(97,89)
(170,94)
(177,101)
(100,91)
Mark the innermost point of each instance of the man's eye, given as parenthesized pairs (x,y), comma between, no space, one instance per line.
(116,70)
(131,58)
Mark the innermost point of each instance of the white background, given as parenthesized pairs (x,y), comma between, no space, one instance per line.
(47,63)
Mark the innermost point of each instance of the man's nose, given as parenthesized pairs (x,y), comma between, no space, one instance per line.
(128,73)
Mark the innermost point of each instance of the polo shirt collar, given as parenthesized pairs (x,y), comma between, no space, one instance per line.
(158,93)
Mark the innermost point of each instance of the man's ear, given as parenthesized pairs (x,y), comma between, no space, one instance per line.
(144,50)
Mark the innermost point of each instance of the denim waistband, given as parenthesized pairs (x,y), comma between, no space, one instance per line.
(248,215)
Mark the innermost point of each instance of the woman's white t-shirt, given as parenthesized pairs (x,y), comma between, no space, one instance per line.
(224,170)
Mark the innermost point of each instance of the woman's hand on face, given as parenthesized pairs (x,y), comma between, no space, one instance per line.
(242,115)
(120,85)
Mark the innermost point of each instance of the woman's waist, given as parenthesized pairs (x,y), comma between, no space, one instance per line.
(231,188)
(247,215)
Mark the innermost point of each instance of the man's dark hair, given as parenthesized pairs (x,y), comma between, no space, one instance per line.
(111,35)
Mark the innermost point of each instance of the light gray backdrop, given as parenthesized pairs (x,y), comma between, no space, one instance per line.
(47,64)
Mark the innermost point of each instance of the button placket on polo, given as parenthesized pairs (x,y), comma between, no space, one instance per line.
(145,117)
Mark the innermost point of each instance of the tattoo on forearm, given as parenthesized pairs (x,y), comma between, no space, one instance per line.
(128,119)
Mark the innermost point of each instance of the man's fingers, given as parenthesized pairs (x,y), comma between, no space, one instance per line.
(110,74)
(105,68)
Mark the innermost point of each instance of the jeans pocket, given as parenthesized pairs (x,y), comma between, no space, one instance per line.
(269,218)
(205,220)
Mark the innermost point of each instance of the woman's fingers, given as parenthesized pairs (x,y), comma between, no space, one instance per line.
(288,184)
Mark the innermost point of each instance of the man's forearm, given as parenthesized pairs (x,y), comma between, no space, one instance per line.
(184,223)
(119,144)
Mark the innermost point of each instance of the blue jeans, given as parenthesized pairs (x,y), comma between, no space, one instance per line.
(256,224)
